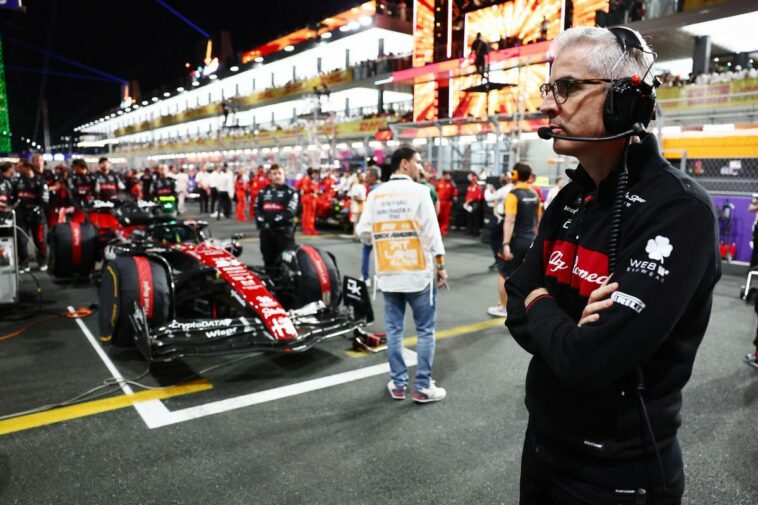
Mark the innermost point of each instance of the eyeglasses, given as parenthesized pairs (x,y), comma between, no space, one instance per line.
(562,88)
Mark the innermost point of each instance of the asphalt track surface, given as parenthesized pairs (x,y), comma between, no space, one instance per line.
(271,430)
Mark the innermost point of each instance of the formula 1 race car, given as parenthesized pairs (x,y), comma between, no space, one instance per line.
(78,236)
(174,292)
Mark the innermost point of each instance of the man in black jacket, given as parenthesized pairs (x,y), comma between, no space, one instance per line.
(275,210)
(31,197)
(82,184)
(612,347)
(107,184)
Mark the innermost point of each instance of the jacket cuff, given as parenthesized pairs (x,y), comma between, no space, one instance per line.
(536,301)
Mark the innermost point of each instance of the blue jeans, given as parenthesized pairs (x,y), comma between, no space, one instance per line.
(424,310)
(365,257)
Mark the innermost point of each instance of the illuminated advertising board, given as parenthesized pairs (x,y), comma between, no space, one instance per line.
(423,32)
(525,95)
(425,101)
(517,19)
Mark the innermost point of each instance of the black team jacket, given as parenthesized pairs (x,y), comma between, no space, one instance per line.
(580,387)
(276,207)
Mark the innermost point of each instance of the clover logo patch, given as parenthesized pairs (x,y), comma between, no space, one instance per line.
(659,248)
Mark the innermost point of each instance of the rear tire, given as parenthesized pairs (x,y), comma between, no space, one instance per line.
(126,280)
(73,250)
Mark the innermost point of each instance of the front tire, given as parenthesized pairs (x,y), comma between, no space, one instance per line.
(126,280)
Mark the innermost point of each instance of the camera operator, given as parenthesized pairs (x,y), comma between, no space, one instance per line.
(275,210)
(32,197)
(614,296)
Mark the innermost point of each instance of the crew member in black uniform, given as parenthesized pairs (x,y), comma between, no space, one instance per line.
(146,179)
(614,296)
(32,197)
(50,178)
(275,210)
(82,184)
(6,186)
(107,184)
(163,186)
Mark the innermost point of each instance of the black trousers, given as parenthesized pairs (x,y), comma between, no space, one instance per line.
(273,243)
(214,197)
(224,204)
(33,223)
(203,202)
(496,236)
(475,218)
(541,485)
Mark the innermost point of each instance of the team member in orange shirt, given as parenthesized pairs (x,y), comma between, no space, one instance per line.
(447,192)
(240,194)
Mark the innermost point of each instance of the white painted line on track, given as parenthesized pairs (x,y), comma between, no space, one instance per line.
(218,407)
(155,414)
(151,411)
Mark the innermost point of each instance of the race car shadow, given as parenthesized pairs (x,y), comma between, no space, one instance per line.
(273,366)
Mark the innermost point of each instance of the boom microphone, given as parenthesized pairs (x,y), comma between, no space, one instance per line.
(546,133)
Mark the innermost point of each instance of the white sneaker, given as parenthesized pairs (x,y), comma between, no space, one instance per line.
(368,282)
(430,394)
(214,214)
(43,267)
(497,311)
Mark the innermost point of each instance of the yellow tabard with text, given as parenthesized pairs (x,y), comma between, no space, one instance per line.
(398,247)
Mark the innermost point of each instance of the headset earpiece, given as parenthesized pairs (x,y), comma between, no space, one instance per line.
(629,100)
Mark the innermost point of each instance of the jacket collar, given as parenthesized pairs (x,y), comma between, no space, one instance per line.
(400,177)
(641,157)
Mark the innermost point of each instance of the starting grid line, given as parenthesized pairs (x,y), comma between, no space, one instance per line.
(155,414)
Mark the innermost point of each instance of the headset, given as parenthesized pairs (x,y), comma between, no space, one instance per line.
(630,102)
(628,109)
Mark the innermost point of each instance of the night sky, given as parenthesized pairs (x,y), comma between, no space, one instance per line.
(133,40)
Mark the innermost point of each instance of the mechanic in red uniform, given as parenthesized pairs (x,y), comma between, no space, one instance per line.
(240,194)
(307,186)
(258,181)
(447,193)
(474,202)
(325,196)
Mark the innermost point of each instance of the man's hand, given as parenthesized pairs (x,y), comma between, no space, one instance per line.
(506,253)
(441,277)
(599,300)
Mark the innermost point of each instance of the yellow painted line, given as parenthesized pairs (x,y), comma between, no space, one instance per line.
(98,406)
(448,333)
(300,237)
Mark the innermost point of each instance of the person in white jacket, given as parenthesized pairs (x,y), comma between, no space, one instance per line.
(399,219)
